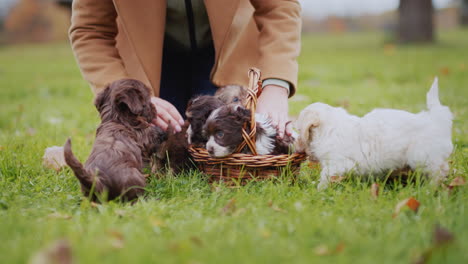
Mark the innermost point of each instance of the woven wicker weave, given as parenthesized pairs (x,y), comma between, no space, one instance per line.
(239,167)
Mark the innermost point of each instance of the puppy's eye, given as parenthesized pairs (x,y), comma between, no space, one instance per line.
(219,134)
(236,99)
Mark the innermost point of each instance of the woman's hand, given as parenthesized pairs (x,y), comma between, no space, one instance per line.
(167,114)
(273,101)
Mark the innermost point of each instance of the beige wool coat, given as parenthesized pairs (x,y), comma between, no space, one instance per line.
(115,39)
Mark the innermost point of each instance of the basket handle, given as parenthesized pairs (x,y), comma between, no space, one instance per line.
(253,91)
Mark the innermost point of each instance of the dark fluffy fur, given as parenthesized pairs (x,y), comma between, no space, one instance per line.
(198,110)
(173,153)
(125,140)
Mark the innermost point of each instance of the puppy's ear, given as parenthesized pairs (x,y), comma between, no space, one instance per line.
(129,99)
(306,122)
(102,98)
(188,112)
(242,113)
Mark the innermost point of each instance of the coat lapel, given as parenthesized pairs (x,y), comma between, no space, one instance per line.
(144,22)
(221,15)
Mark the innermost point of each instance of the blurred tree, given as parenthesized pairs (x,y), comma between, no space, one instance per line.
(464,12)
(416,21)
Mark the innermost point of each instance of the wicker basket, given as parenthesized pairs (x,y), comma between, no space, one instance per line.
(239,168)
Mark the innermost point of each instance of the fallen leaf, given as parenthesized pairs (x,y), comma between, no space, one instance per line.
(412,203)
(340,247)
(230,207)
(117,239)
(458,181)
(157,222)
(53,158)
(445,71)
(375,191)
(389,49)
(265,233)
(1,148)
(344,103)
(196,240)
(58,215)
(337,179)
(324,250)
(314,165)
(275,207)
(442,236)
(59,252)
(321,250)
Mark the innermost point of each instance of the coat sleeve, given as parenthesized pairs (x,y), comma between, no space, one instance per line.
(279,24)
(92,35)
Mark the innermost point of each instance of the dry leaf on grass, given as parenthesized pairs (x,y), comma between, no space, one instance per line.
(157,222)
(58,215)
(265,233)
(324,250)
(445,71)
(440,237)
(458,181)
(412,203)
(230,207)
(375,191)
(53,158)
(275,207)
(196,240)
(116,239)
(337,179)
(59,252)
(314,165)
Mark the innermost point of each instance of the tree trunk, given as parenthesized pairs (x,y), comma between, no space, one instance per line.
(464,13)
(416,21)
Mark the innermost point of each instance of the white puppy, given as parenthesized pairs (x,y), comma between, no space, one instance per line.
(384,139)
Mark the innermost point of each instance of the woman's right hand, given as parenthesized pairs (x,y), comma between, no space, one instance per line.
(167,114)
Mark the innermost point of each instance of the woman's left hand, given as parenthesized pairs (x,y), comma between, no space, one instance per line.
(273,101)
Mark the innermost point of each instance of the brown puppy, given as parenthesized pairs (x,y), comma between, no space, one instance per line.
(125,139)
(173,153)
(198,110)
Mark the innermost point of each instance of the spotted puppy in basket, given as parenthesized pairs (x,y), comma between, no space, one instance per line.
(200,107)
(223,129)
(384,139)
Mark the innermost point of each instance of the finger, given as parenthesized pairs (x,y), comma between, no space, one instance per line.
(168,119)
(289,129)
(281,126)
(274,120)
(160,123)
(176,116)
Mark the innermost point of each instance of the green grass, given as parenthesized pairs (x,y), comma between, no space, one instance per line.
(43,100)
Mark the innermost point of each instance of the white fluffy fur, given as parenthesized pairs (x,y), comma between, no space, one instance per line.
(381,140)
(265,142)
